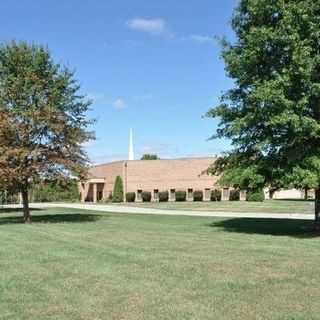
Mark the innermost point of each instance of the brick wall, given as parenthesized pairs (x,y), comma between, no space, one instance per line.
(108,171)
(169,174)
(147,175)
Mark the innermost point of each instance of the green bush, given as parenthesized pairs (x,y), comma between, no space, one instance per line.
(108,199)
(53,191)
(117,195)
(198,195)
(255,195)
(130,196)
(215,195)
(146,196)
(163,196)
(181,196)
(234,195)
(9,198)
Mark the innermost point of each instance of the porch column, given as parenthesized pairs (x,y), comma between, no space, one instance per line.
(82,191)
(94,193)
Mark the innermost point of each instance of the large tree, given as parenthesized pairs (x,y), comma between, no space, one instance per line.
(43,123)
(272,113)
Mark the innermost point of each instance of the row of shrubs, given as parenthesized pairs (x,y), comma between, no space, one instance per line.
(181,196)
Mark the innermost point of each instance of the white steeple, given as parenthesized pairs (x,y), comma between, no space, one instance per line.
(131,153)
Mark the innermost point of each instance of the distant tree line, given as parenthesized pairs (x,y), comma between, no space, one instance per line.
(149,156)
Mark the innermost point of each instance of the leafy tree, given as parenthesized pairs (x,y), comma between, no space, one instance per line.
(272,114)
(117,195)
(148,156)
(43,123)
(255,196)
(51,191)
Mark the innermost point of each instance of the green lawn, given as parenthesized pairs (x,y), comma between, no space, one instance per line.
(272,206)
(73,264)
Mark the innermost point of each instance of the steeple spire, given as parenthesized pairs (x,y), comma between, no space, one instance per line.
(131,153)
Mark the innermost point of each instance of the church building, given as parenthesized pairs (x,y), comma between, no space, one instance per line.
(154,176)
(170,175)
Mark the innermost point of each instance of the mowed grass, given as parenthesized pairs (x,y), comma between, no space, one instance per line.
(73,264)
(269,206)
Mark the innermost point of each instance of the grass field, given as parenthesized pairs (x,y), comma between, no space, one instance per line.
(272,206)
(73,264)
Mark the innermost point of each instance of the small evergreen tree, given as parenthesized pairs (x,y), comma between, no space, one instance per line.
(117,195)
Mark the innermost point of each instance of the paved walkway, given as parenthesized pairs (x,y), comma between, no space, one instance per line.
(138,210)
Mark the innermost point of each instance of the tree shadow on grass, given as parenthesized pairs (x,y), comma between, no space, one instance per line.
(274,227)
(294,200)
(16,210)
(53,218)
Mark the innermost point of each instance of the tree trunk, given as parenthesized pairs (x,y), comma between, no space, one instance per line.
(26,210)
(271,193)
(306,193)
(317,208)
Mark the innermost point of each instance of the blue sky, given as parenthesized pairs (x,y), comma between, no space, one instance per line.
(151,65)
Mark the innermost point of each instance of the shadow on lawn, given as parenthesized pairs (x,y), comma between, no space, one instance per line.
(11,210)
(274,227)
(294,200)
(53,218)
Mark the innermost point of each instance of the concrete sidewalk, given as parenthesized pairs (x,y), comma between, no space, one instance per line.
(136,210)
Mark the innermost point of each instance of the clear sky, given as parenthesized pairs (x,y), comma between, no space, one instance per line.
(147,64)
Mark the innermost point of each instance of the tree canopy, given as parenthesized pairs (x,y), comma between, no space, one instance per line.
(149,156)
(272,113)
(43,123)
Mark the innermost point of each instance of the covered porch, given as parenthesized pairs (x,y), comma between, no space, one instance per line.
(92,190)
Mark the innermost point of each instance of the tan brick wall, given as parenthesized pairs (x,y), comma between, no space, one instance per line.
(169,174)
(109,172)
(147,175)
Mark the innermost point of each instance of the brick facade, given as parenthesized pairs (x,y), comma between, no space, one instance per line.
(163,175)
(149,175)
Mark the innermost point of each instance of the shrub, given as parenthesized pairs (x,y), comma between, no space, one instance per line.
(255,195)
(181,196)
(117,195)
(9,198)
(215,195)
(163,196)
(234,195)
(130,196)
(198,195)
(146,196)
(108,198)
(51,191)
